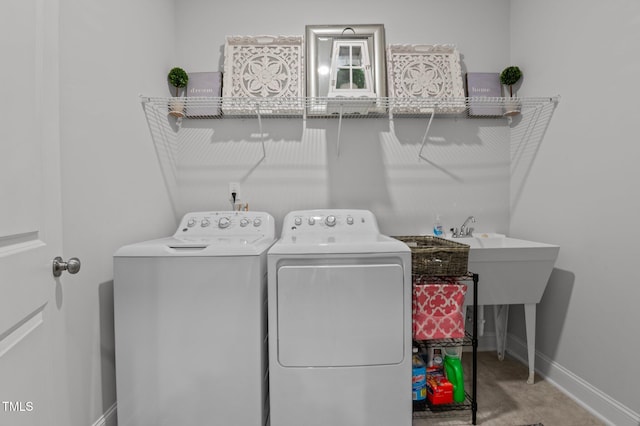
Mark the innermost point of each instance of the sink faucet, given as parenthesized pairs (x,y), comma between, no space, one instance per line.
(464,231)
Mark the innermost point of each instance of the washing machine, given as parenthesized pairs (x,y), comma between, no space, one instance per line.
(190,323)
(339,296)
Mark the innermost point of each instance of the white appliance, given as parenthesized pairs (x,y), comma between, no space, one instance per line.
(339,297)
(191,326)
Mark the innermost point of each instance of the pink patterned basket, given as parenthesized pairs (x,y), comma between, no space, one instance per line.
(437,308)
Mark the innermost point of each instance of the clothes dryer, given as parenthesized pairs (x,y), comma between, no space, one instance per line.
(339,296)
(190,323)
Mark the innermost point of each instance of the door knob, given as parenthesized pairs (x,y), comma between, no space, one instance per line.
(72,266)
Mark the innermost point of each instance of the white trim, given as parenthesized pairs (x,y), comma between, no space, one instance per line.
(109,418)
(583,393)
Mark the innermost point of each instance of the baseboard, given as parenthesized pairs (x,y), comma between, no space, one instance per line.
(109,417)
(588,396)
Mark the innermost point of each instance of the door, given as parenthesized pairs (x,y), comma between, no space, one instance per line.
(30,214)
(340,315)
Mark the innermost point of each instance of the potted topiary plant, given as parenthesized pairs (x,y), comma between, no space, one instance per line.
(510,76)
(178,78)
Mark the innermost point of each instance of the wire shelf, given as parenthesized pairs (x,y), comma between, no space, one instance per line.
(196,119)
(324,107)
(424,409)
(422,345)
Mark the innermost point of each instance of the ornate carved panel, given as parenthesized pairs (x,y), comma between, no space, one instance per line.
(263,67)
(425,71)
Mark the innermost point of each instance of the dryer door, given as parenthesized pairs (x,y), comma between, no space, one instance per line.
(340,315)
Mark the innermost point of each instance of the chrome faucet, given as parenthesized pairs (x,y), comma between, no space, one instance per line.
(464,231)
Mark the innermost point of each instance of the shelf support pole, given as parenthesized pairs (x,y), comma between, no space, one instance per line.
(426,133)
(339,131)
(304,116)
(264,151)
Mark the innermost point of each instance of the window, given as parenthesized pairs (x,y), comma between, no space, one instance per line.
(350,69)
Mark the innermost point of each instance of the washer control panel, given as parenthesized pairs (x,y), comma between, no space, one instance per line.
(330,220)
(203,224)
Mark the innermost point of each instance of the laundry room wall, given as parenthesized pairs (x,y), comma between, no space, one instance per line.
(467,172)
(112,188)
(580,195)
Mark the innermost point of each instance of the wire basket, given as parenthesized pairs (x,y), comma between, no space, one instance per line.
(436,256)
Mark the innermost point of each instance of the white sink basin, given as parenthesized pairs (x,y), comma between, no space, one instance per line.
(511,270)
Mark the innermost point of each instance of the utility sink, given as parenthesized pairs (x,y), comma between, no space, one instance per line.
(510,271)
(538,258)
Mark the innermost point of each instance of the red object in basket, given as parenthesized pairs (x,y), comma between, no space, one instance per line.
(437,308)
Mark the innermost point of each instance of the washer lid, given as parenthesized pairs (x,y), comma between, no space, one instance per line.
(198,247)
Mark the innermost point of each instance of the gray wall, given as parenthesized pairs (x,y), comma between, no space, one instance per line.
(376,168)
(112,190)
(581,192)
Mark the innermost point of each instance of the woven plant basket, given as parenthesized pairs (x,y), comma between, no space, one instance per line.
(436,256)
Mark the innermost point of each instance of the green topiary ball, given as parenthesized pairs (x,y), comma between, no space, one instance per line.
(178,77)
(510,76)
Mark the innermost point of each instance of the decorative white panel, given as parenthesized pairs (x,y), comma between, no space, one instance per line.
(425,71)
(263,67)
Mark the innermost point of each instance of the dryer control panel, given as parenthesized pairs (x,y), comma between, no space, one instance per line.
(208,224)
(343,221)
